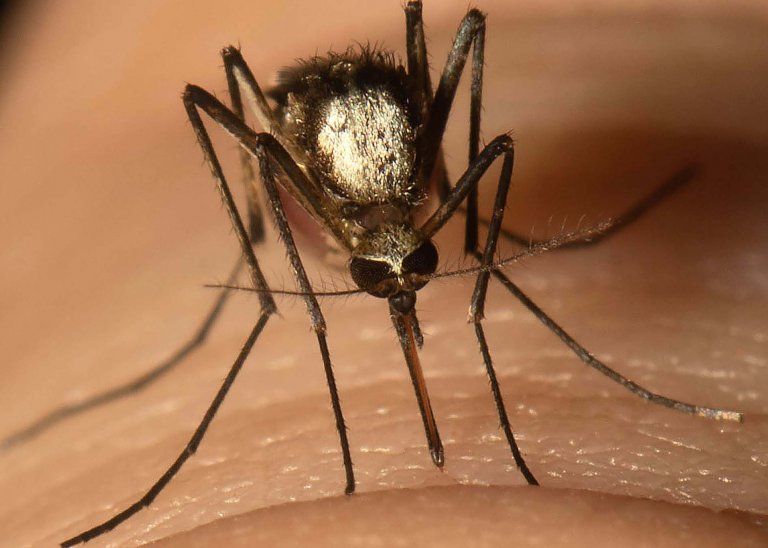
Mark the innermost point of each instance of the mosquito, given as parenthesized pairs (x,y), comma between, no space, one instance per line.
(355,139)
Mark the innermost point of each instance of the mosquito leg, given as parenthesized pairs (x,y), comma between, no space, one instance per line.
(477,308)
(502,145)
(418,63)
(408,329)
(653,199)
(318,321)
(590,360)
(233,64)
(255,215)
(266,149)
(499,146)
(471,31)
(450,205)
(268,307)
(188,451)
(256,235)
(132,387)
(475,106)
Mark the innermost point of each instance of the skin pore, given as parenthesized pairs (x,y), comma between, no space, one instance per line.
(111,227)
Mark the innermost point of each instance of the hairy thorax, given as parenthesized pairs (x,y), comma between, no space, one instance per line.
(355,126)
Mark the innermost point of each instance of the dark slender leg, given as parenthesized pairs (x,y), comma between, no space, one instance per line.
(267,309)
(500,145)
(643,206)
(318,321)
(451,204)
(131,387)
(191,105)
(477,309)
(188,451)
(500,409)
(301,189)
(256,235)
(418,63)
(421,88)
(195,98)
(475,106)
(266,149)
(590,360)
(471,30)
(255,215)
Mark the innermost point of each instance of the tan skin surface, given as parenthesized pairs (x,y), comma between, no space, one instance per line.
(111,226)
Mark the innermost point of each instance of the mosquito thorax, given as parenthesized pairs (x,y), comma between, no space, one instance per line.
(350,116)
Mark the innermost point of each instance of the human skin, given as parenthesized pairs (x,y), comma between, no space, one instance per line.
(111,227)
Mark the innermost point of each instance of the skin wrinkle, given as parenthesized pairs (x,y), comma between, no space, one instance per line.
(109,238)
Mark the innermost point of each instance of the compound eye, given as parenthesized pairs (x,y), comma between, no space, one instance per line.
(368,273)
(423,260)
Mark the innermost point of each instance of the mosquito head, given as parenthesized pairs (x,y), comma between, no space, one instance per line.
(394,262)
